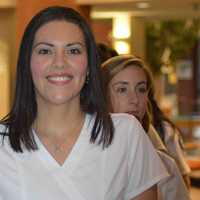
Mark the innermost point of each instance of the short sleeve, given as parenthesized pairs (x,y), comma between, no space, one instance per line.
(9,184)
(145,168)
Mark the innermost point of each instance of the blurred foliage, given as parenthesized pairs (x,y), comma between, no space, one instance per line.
(179,36)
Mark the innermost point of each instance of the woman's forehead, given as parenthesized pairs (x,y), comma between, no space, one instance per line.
(131,73)
(60,29)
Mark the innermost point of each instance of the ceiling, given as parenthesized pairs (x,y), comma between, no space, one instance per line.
(157,8)
(7,3)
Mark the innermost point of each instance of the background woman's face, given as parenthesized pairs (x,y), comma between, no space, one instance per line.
(128,92)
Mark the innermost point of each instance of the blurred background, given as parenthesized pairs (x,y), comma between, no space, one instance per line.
(166,34)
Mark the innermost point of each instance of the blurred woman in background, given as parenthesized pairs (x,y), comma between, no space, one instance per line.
(127,84)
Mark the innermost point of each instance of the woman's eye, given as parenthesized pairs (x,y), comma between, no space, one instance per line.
(142,89)
(44,51)
(121,90)
(74,51)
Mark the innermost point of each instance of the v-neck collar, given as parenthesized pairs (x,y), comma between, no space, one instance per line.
(73,156)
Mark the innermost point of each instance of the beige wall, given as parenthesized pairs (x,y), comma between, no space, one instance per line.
(138,36)
(4,78)
(7,46)
(7,3)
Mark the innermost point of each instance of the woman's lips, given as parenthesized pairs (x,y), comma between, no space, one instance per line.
(59,79)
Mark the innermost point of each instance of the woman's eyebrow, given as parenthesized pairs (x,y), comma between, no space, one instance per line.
(74,44)
(142,83)
(52,45)
(43,43)
(121,83)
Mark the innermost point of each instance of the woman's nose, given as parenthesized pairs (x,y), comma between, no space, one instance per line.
(133,97)
(60,59)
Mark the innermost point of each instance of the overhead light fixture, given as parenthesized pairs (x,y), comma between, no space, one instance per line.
(122,26)
(122,47)
(142,5)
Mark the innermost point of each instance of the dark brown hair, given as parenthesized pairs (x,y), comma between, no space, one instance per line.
(24,110)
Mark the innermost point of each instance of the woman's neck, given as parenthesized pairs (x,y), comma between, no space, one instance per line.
(58,120)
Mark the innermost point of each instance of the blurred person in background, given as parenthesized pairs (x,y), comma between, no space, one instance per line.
(170,135)
(127,83)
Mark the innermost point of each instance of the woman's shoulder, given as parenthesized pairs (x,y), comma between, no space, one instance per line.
(155,139)
(3,131)
(124,118)
(9,170)
(127,126)
(2,128)
(170,131)
(4,140)
(118,119)
(7,155)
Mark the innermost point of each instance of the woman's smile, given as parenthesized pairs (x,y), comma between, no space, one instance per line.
(60,79)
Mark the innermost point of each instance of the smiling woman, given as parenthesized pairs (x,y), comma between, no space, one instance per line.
(59,132)
(59,63)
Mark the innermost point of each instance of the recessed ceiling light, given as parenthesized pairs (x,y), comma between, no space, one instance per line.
(142,5)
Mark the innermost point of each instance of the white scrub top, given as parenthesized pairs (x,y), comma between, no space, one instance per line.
(128,167)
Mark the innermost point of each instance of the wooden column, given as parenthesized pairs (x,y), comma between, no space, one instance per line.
(26,9)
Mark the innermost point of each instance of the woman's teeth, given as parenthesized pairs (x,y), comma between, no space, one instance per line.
(59,78)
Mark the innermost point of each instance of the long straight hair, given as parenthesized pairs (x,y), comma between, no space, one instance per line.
(159,118)
(24,110)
